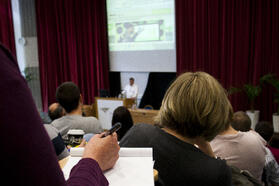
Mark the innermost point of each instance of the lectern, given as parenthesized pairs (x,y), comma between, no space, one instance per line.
(106,106)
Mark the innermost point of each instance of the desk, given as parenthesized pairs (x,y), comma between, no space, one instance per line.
(63,162)
(143,115)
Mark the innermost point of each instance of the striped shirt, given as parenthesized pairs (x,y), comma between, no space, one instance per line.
(57,141)
(271,169)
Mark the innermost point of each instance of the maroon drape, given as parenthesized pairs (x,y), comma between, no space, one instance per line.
(237,41)
(6,25)
(73,46)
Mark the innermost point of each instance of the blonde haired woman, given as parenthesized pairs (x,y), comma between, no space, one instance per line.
(194,110)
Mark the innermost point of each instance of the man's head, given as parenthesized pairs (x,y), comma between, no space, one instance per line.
(132,80)
(195,105)
(265,129)
(55,111)
(241,121)
(129,28)
(68,96)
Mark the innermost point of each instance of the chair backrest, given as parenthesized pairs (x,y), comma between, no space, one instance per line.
(243,178)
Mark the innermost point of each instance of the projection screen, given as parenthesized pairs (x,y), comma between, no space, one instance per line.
(141,35)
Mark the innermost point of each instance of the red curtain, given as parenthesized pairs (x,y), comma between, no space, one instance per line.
(6,25)
(73,46)
(236,41)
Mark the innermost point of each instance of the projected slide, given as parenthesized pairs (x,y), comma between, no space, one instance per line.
(135,25)
(138,32)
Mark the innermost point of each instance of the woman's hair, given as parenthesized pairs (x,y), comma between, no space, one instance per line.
(122,114)
(195,105)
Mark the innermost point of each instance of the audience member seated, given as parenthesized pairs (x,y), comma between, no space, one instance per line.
(29,158)
(274,146)
(55,111)
(265,129)
(45,117)
(122,114)
(69,97)
(241,121)
(57,141)
(245,150)
(271,169)
(194,110)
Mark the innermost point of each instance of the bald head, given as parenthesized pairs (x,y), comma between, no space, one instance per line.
(241,121)
(55,111)
(53,107)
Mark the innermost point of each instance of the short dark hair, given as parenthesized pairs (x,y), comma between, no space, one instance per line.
(122,114)
(265,129)
(131,78)
(56,113)
(68,95)
(241,121)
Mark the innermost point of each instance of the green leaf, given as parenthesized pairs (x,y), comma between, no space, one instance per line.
(252,91)
(266,78)
(233,90)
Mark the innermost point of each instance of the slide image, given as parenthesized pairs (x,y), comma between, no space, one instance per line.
(142,31)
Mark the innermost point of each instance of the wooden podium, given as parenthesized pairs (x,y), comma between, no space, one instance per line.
(143,115)
(106,106)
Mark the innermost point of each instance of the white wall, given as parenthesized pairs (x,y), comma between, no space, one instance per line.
(26,48)
(31,52)
(17,31)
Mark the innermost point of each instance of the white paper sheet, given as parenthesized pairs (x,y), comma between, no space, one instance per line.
(76,152)
(133,168)
(131,171)
(124,152)
(69,165)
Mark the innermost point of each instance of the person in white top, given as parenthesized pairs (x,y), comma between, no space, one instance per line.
(245,150)
(131,90)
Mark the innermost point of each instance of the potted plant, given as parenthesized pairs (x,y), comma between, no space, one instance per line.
(29,76)
(275,117)
(252,92)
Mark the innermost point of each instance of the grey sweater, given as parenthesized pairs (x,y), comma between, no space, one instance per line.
(87,124)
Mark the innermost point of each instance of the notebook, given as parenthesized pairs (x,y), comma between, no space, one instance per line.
(133,168)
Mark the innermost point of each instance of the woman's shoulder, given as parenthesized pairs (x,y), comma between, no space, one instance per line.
(221,171)
(139,134)
(144,126)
